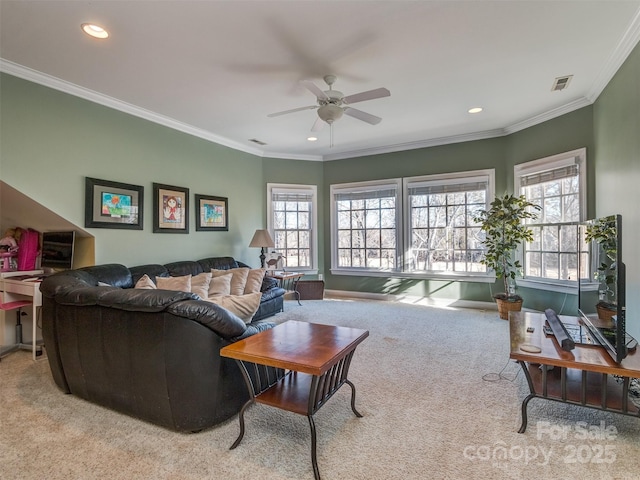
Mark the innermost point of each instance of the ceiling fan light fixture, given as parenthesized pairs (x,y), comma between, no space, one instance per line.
(94,30)
(330,113)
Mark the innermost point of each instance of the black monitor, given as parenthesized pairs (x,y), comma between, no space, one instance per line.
(57,250)
(601,292)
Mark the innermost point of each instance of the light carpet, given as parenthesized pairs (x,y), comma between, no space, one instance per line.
(422,386)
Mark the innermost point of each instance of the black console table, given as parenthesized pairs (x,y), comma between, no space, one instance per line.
(583,376)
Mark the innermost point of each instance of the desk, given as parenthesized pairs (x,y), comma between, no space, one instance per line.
(18,289)
(288,281)
(582,376)
(313,363)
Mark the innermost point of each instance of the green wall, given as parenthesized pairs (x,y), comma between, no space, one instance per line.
(52,140)
(617,170)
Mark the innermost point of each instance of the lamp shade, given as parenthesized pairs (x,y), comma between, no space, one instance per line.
(262,239)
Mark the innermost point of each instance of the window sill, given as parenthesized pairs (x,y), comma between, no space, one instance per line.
(568,287)
(445,277)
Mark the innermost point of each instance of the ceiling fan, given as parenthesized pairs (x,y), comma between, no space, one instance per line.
(332,104)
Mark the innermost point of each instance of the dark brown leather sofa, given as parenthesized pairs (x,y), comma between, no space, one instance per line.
(152,354)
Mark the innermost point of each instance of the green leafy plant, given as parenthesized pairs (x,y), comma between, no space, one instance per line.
(504,228)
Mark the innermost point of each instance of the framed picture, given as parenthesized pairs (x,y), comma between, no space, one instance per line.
(112,204)
(212,213)
(273,261)
(170,209)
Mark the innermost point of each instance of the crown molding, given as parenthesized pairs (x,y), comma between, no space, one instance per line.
(627,43)
(548,115)
(432,142)
(72,89)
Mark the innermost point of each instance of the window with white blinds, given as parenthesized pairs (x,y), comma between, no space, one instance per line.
(365,226)
(293,224)
(443,238)
(557,185)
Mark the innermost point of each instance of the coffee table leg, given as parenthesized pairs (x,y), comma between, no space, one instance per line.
(314,457)
(353,399)
(241,419)
(252,399)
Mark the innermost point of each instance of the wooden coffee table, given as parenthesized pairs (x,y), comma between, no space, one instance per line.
(311,363)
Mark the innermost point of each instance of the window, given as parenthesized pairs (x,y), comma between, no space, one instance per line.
(365,225)
(413,226)
(443,238)
(292,221)
(557,184)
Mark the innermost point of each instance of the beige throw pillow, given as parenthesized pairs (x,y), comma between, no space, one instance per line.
(180,284)
(238,281)
(254,280)
(244,306)
(200,284)
(145,283)
(220,285)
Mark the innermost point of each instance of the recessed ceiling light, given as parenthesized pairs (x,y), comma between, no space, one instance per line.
(475,110)
(312,139)
(94,30)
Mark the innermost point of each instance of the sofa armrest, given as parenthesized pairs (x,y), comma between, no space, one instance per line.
(216,318)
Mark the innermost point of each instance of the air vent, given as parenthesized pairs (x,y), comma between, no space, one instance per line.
(255,140)
(561,83)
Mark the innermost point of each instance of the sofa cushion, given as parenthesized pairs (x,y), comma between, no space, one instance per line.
(244,306)
(220,285)
(238,280)
(218,263)
(187,267)
(200,284)
(145,283)
(181,284)
(254,280)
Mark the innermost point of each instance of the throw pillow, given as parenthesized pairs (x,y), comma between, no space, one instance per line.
(244,306)
(200,284)
(220,285)
(180,284)
(238,281)
(145,283)
(254,280)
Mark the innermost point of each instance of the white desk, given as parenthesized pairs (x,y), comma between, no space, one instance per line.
(18,289)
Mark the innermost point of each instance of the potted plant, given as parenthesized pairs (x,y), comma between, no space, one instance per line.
(603,231)
(504,228)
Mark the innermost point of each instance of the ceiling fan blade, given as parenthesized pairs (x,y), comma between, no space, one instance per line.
(368,95)
(318,125)
(360,115)
(313,88)
(299,109)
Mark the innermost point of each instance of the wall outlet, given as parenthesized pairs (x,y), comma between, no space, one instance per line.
(320,276)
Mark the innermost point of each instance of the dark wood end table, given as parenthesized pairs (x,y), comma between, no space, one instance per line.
(288,281)
(584,376)
(312,361)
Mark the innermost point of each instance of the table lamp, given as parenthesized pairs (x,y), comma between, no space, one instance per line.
(263,240)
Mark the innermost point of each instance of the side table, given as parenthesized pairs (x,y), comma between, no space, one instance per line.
(288,281)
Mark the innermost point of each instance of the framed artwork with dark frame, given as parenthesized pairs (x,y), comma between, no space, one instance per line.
(170,209)
(212,213)
(110,204)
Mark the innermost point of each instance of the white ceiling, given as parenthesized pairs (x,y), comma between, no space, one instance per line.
(216,69)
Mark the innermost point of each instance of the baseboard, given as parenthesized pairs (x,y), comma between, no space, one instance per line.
(412,299)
